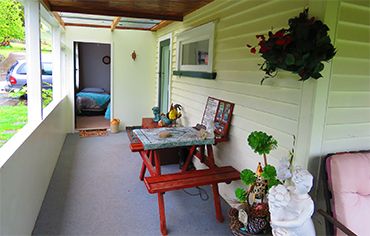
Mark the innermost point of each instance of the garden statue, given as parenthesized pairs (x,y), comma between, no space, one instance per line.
(291,207)
(156,113)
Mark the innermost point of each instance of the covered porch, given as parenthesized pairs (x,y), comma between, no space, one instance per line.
(50,177)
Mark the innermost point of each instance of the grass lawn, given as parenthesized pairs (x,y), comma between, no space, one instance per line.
(12,118)
(20,47)
(15,47)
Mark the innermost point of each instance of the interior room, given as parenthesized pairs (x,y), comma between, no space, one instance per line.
(266,102)
(93,85)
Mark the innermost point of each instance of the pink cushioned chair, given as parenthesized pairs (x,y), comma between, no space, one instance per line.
(347,193)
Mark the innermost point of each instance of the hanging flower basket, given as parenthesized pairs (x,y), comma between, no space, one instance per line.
(300,49)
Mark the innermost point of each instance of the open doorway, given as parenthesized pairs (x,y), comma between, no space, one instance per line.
(92,85)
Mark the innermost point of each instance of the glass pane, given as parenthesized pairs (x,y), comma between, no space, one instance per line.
(13,79)
(46,65)
(47,69)
(195,53)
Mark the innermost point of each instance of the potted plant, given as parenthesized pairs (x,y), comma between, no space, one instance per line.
(300,49)
(253,217)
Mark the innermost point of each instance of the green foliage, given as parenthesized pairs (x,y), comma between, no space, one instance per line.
(261,143)
(272,182)
(46,94)
(269,172)
(12,119)
(241,194)
(11,21)
(248,177)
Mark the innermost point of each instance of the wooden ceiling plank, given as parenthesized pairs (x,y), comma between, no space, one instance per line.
(59,19)
(116,12)
(115,23)
(104,26)
(162,24)
(46,4)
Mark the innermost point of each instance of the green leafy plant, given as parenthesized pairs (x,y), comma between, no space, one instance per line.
(300,49)
(46,94)
(11,21)
(241,195)
(248,177)
(262,143)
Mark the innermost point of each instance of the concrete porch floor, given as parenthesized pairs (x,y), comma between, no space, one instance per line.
(95,190)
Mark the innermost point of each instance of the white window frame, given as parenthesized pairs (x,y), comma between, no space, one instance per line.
(199,33)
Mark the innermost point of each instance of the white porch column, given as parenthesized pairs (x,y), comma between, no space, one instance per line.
(33,58)
(56,63)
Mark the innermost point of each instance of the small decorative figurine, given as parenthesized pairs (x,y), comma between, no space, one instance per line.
(156,113)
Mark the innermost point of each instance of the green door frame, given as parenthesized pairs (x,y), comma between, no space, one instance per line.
(164,45)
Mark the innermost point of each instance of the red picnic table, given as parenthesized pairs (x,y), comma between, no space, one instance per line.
(158,183)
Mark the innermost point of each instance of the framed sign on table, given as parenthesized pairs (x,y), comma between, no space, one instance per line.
(218,113)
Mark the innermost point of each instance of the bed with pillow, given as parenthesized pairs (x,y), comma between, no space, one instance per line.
(92,101)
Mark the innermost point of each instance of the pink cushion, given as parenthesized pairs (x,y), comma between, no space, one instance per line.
(349,180)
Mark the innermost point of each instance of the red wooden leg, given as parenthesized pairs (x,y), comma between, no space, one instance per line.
(216,198)
(142,172)
(189,158)
(162,215)
(157,163)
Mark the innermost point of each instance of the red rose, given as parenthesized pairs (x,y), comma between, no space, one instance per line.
(264,49)
(253,50)
(280,42)
(279,34)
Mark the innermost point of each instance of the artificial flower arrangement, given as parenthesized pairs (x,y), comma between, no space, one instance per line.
(300,49)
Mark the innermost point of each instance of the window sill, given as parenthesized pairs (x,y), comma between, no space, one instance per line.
(196,74)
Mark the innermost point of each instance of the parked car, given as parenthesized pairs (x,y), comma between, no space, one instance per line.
(16,76)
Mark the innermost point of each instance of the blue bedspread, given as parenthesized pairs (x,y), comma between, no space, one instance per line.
(99,98)
(107,113)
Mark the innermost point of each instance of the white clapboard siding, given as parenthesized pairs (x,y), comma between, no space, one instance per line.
(273,107)
(347,124)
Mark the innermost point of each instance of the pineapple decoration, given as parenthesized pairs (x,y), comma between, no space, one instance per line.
(260,185)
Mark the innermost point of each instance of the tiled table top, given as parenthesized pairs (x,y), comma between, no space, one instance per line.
(180,136)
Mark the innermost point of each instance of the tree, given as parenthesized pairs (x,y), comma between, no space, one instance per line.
(11,21)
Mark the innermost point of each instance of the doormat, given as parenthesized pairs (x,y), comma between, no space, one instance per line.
(93,133)
(131,135)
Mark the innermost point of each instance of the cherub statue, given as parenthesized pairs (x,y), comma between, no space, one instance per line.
(291,207)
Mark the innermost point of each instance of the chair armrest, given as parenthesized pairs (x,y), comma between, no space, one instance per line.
(336,223)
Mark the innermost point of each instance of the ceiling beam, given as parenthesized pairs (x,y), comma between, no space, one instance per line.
(162,24)
(59,19)
(115,23)
(78,8)
(104,26)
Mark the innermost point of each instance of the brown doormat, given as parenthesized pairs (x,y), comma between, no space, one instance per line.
(93,132)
